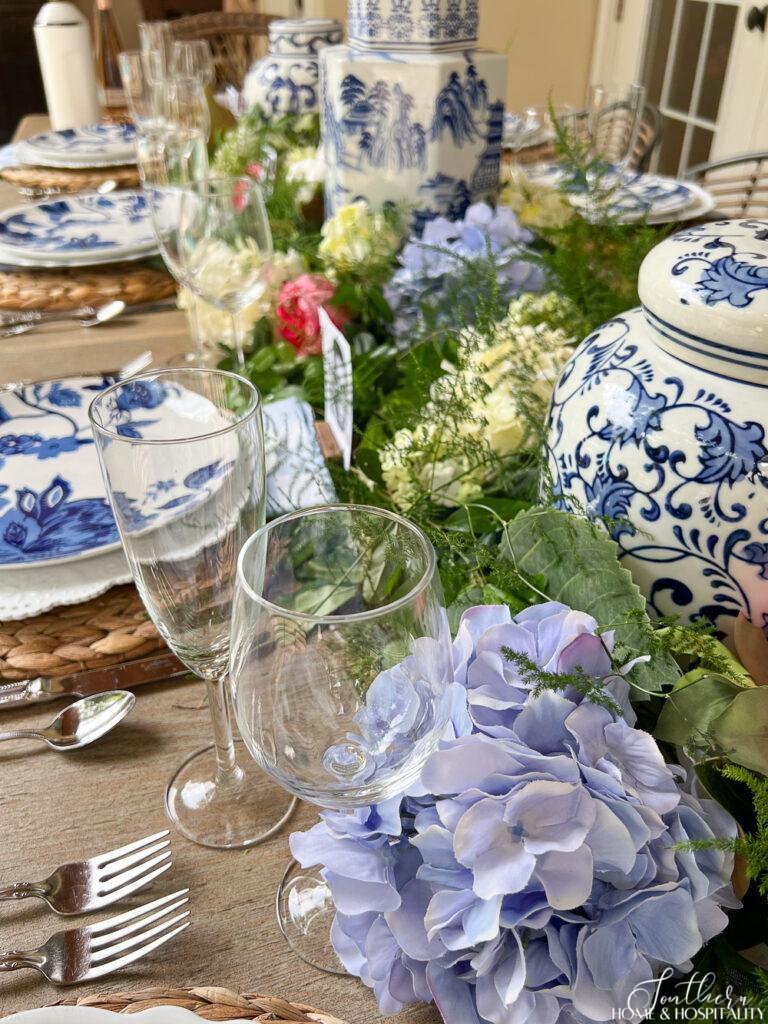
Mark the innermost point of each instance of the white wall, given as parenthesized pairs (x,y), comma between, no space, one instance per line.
(548,43)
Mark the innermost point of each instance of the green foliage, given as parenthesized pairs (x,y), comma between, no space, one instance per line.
(582,569)
(539,680)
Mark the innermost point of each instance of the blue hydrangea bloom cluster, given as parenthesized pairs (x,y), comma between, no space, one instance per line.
(539,871)
(433,267)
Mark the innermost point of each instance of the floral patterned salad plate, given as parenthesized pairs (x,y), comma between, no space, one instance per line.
(65,230)
(53,506)
(95,145)
(630,195)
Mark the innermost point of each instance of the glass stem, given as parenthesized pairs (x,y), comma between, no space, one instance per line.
(237,338)
(226,763)
(194,321)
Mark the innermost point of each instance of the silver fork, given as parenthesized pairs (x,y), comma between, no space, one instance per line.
(81,954)
(86,885)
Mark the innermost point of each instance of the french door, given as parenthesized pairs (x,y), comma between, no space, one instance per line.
(704,64)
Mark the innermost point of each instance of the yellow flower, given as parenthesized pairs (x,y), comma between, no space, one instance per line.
(537,205)
(354,236)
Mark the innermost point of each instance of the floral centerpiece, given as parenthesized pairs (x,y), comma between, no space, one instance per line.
(543,869)
(570,706)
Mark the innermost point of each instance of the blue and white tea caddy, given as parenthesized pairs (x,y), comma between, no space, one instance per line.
(286,80)
(412,111)
(658,423)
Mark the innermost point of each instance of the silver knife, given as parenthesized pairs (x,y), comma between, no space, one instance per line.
(95,680)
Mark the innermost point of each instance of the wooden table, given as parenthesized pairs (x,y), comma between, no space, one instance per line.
(55,808)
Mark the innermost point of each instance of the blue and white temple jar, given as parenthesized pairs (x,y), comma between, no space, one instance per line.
(412,111)
(286,80)
(658,423)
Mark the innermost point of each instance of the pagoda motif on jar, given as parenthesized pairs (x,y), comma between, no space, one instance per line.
(285,81)
(658,426)
(412,110)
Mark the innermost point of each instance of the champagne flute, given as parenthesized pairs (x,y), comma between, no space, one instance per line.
(340,665)
(226,245)
(182,455)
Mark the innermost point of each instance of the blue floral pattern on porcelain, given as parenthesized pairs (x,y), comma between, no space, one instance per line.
(86,223)
(658,426)
(425,128)
(286,80)
(61,511)
(413,24)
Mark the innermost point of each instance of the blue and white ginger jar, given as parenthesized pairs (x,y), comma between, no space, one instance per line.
(411,111)
(658,423)
(286,80)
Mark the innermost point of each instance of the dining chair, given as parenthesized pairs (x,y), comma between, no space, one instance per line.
(648,134)
(236,39)
(738,183)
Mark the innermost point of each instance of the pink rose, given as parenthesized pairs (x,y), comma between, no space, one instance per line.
(297,311)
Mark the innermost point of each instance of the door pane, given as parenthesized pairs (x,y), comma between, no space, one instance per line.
(686,55)
(723,24)
(701,144)
(669,158)
(657,46)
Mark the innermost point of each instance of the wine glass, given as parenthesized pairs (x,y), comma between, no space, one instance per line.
(182,455)
(139,88)
(155,37)
(340,663)
(614,114)
(193,58)
(226,245)
(169,157)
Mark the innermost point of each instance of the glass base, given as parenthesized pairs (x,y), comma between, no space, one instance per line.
(240,812)
(305,912)
(186,359)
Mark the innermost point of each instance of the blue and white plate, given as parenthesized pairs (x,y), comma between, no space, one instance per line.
(629,195)
(52,500)
(95,145)
(53,506)
(73,227)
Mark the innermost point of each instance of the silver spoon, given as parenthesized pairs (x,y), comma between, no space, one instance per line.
(82,722)
(83,318)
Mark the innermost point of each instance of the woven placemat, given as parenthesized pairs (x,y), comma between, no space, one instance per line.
(209,1003)
(108,630)
(72,287)
(58,179)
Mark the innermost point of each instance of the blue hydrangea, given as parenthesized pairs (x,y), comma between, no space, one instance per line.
(539,870)
(433,268)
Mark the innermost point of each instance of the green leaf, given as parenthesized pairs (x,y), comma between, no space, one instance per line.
(689,709)
(323,598)
(742,729)
(582,568)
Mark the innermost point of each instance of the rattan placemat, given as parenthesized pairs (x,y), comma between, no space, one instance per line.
(209,1003)
(108,630)
(56,179)
(72,287)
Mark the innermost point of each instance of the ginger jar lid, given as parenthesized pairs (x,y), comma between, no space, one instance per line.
(420,25)
(704,292)
(306,36)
